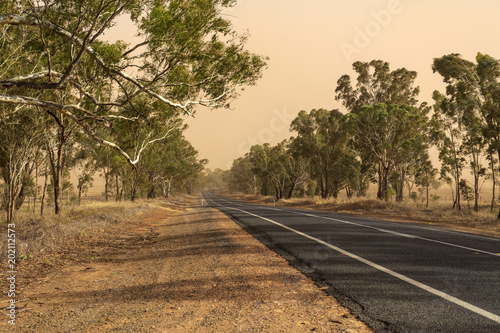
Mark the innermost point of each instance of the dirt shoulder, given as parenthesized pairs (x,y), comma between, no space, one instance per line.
(179,268)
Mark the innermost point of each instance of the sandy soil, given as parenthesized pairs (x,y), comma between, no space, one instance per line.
(178,269)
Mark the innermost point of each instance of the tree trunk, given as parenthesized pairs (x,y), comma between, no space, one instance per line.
(265,185)
(385,180)
(400,185)
(380,192)
(189,189)
(457,193)
(57,179)
(20,196)
(117,187)
(56,164)
(290,193)
(493,180)
(42,201)
(10,210)
(80,187)
(324,192)
(327,182)
(166,189)
(334,192)
(11,199)
(476,179)
(135,184)
(427,189)
(35,195)
(106,185)
(498,152)
(121,191)
(348,191)
(106,171)
(152,192)
(476,194)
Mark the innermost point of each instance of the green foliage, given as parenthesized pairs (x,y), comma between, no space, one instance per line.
(322,141)
(127,98)
(435,197)
(241,176)
(376,83)
(383,135)
(388,133)
(470,111)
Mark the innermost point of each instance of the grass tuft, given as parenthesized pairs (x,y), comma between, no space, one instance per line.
(37,234)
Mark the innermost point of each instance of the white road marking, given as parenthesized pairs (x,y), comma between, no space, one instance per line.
(415,283)
(393,232)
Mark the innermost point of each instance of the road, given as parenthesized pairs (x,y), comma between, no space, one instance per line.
(399,277)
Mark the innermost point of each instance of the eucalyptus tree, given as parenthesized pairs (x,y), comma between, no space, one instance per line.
(20,139)
(448,136)
(268,165)
(173,154)
(286,170)
(492,174)
(296,166)
(474,147)
(136,138)
(241,177)
(413,152)
(376,83)
(191,171)
(84,168)
(385,131)
(321,140)
(474,89)
(277,167)
(179,164)
(349,176)
(53,56)
(425,174)
(259,158)
(102,157)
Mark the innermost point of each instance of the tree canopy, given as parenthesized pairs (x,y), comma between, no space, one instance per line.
(54,59)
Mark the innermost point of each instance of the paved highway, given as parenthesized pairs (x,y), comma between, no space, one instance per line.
(398,277)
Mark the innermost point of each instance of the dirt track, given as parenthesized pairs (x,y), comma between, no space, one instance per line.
(187,270)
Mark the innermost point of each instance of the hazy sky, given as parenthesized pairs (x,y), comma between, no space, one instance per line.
(312,43)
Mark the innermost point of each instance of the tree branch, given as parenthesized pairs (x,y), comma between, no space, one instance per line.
(24,20)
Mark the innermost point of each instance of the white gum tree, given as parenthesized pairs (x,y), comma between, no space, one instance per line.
(54,60)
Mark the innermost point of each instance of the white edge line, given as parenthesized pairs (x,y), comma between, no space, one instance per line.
(398,233)
(420,285)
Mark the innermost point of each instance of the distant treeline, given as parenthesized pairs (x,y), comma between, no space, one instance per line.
(385,137)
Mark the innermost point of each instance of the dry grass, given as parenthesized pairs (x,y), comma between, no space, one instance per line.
(36,234)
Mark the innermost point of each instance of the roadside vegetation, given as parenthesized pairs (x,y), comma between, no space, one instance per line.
(72,103)
(384,137)
(37,235)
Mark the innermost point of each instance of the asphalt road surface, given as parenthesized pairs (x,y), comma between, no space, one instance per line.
(398,277)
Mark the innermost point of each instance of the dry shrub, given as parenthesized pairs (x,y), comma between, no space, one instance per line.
(44,233)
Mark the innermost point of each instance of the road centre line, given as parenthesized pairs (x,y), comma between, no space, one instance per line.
(370,219)
(404,278)
(393,232)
